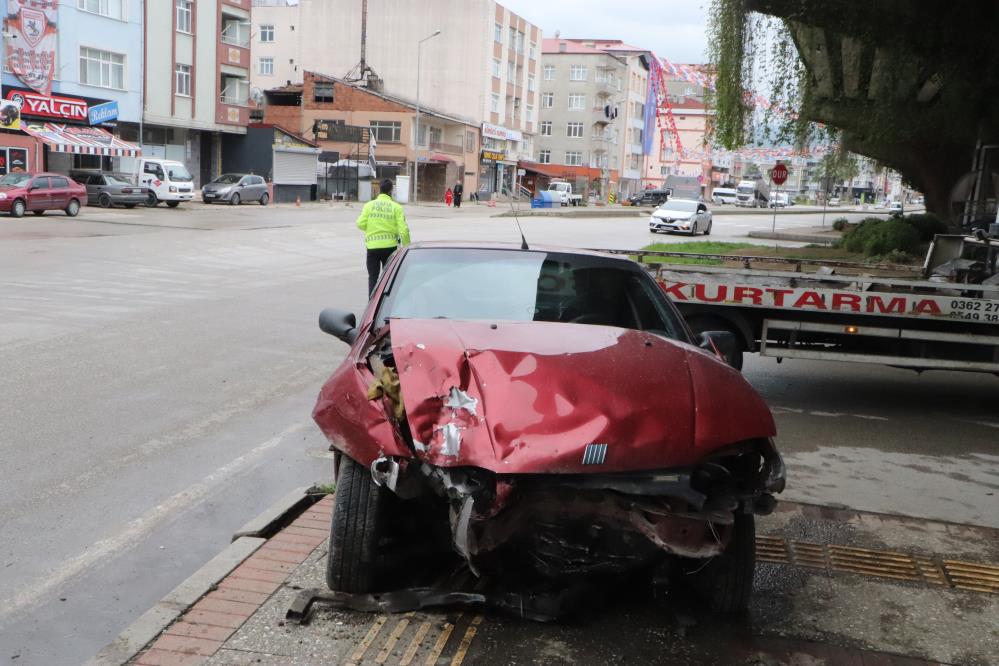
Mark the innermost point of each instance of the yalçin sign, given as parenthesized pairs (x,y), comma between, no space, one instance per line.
(48,106)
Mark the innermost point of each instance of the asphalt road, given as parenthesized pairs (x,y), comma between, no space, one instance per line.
(158,368)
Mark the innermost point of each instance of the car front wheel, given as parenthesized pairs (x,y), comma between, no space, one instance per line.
(725,583)
(73,209)
(356,528)
(234,201)
(17,209)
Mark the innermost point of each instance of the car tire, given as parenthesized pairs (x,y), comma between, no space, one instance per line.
(234,200)
(725,583)
(172,204)
(73,209)
(265,199)
(17,208)
(355,529)
(104,201)
(151,200)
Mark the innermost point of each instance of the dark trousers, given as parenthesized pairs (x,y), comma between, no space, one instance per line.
(457,200)
(376,261)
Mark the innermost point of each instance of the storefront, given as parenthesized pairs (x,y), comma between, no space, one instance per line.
(492,171)
(287,160)
(58,133)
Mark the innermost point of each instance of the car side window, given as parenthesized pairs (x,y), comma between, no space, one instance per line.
(257,180)
(59,183)
(40,184)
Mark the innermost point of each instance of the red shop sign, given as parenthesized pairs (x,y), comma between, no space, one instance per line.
(49,106)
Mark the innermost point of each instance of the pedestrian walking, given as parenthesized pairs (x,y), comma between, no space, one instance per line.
(448,197)
(459,189)
(384,225)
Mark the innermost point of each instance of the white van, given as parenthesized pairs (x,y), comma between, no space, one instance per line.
(723,195)
(167,180)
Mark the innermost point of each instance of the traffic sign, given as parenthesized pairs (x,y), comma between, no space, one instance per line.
(778,174)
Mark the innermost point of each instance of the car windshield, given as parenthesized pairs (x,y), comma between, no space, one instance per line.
(179,173)
(15,178)
(681,205)
(465,284)
(228,179)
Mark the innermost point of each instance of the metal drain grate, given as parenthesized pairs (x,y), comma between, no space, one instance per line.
(879,564)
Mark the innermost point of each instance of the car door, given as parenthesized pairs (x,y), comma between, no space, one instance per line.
(259,187)
(39,193)
(59,192)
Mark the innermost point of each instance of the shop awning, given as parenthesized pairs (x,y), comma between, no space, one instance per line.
(80,139)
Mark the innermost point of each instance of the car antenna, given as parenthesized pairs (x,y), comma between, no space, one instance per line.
(516,217)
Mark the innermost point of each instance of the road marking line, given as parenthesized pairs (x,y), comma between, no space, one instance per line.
(438,648)
(415,644)
(466,641)
(393,639)
(368,639)
(127,538)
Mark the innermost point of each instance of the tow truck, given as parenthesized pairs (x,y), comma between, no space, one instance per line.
(943,315)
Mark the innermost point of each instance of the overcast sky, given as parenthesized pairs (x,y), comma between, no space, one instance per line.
(674,29)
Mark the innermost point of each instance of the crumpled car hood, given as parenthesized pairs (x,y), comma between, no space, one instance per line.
(541,397)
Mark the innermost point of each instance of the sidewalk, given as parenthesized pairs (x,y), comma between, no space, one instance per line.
(822,235)
(833,587)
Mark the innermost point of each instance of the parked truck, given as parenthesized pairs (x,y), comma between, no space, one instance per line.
(943,315)
(752,193)
(564,194)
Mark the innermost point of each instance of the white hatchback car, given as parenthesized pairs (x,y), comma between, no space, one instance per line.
(683,215)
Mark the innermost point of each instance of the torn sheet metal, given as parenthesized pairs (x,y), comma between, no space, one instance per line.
(459,399)
(450,440)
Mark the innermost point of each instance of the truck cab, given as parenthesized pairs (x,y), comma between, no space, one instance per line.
(166,180)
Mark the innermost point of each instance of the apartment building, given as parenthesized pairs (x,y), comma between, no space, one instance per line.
(484,65)
(275,44)
(71,94)
(579,131)
(197,82)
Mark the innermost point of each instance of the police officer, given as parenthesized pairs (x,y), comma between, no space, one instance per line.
(384,225)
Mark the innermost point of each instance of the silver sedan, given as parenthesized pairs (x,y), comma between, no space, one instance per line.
(681,215)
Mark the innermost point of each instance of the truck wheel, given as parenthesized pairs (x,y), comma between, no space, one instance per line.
(151,200)
(173,204)
(356,528)
(726,581)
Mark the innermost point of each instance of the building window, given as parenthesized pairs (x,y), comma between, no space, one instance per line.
(436,136)
(498,33)
(577,102)
(323,92)
(494,103)
(547,100)
(102,68)
(549,72)
(182,73)
(530,114)
(267,66)
(386,130)
(574,158)
(530,84)
(184,16)
(235,90)
(469,142)
(546,128)
(497,67)
(545,157)
(267,33)
(111,8)
(520,42)
(574,130)
(532,50)
(577,73)
(511,71)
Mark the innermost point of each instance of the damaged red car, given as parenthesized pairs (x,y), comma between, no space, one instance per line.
(546,409)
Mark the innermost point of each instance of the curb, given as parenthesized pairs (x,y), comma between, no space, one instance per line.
(800,238)
(245,543)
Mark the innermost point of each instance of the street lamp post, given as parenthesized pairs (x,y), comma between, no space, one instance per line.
(416,136)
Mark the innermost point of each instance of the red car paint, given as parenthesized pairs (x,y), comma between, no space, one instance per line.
(542,391)
(42,198)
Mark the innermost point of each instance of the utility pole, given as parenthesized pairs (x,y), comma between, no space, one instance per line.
(416,137)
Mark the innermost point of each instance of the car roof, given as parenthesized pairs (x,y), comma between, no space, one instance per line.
(673,201)
(491,245)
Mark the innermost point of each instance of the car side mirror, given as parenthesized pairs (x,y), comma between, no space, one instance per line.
(339,323)
(722,344)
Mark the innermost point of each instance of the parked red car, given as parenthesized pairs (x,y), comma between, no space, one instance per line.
(545,409)
(39,192)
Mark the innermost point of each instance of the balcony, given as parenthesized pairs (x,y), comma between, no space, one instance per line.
(604,86)
(236,32)
(449,148)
